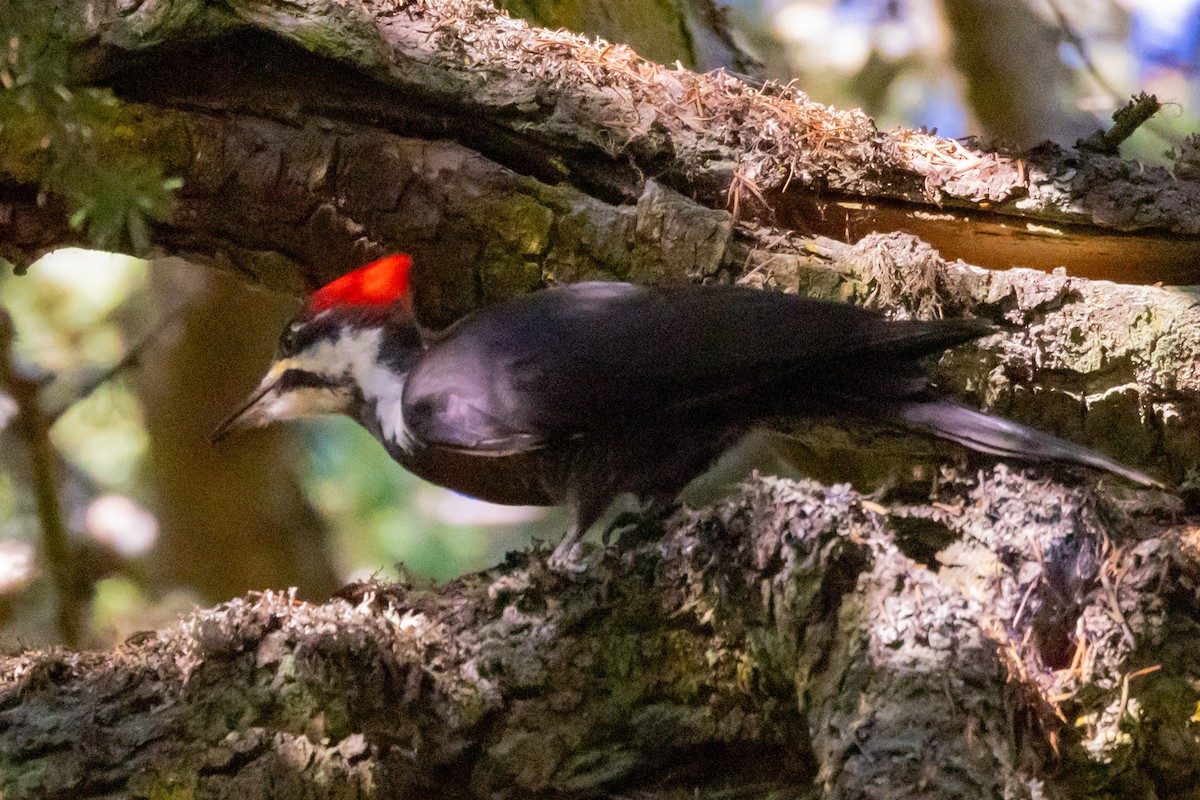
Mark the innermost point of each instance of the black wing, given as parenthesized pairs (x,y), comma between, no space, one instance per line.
(522,374)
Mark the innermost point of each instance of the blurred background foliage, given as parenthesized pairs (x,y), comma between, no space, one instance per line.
(139,360)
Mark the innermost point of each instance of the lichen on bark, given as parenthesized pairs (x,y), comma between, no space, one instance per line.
(785,626)
(974,629)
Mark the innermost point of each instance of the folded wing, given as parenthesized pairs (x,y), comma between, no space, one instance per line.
(576,359)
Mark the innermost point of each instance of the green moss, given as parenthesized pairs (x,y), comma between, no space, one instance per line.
(618,669)
(470,705)
(521,222)
(342,31)
(105,159)
(529,758)
(517,233)
(157,24)
(157,133)
(174,788)
(823,283)
(355,43)
(22,157)
(503,275)
(634,669)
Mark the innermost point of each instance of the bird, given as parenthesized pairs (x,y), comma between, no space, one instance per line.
(578,393)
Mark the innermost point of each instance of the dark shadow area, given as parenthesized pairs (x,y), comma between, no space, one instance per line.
(255,74)
(921,539)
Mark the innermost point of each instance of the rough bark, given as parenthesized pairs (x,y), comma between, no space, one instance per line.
(504,156)
(784,642)
(797,640)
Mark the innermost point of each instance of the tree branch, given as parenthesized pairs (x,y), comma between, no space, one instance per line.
(783,637)
(71,593)
(503,157)
(792,626)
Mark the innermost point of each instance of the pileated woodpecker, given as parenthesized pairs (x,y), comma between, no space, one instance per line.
(579,393)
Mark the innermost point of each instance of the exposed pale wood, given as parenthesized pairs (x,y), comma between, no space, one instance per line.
(786,627)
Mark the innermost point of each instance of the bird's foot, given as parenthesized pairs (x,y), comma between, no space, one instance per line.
(626,519)
(640,526)
(567,557)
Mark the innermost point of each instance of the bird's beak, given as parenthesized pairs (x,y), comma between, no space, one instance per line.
(251,414)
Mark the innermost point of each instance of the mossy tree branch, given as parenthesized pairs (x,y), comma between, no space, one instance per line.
(793,625)
(313,138)
(794,636)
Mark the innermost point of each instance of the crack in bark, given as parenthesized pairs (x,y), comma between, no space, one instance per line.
(781,627)
(785,624)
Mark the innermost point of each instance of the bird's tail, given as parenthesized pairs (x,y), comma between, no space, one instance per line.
(1002,437)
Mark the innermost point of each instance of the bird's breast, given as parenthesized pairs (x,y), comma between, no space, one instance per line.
(521,479)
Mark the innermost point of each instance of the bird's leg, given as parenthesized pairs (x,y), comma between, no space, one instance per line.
(651,515)
(564,560)
(589,506)
(626,519)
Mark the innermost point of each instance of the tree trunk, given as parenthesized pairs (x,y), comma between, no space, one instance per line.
(235,517)
(974,631)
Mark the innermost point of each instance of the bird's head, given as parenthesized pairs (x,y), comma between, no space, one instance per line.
(353,334)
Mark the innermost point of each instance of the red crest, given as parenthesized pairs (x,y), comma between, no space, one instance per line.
(380,283)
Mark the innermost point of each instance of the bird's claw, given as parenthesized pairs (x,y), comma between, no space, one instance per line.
(637,526)
(627,519)
(567,558)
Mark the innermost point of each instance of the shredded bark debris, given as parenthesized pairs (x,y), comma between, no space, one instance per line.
(742,629)
(1006,635)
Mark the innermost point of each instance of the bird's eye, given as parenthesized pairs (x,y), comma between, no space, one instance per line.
(287,340)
